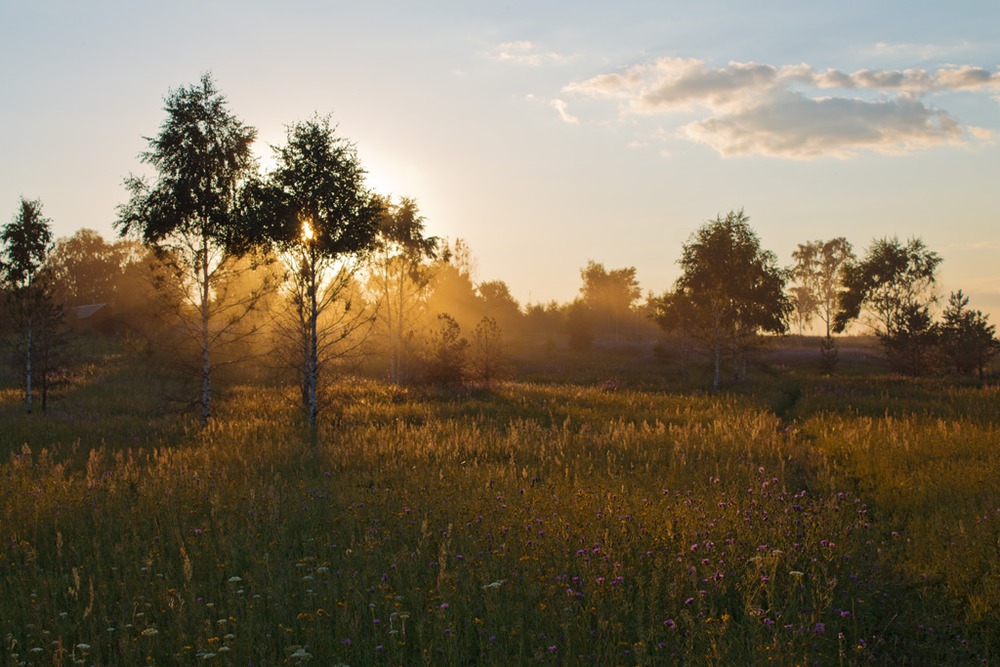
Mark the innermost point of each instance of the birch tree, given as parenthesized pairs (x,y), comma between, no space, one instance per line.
(316,212)
(202,155)
(399,276)
(32,315)
(729,292)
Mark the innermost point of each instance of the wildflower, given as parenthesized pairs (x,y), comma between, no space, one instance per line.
(689,601)
(820,628)
(150,632)
(235,579)
(670,624)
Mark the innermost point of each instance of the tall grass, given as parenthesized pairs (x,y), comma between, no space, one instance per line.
(523,524)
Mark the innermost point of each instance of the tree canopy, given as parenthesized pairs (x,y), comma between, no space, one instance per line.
(315,210)
(202,157)
(31,313)
(729,292)
(892,279)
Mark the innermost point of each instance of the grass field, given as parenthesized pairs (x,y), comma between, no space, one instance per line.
(616,517)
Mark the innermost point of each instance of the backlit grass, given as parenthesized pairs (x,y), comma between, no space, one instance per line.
(522,524)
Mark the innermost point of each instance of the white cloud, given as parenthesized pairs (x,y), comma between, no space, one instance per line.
(524,52)
(672,84)
(560,106)
(796,126)
(754,108)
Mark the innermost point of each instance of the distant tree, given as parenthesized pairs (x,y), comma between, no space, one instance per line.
(967,338)
(316,212)
(501,306)
(818,272)
(453,286)
(611,295)
(447,353)
(804,305)
(399,277)
(545,324)
(911,349)
(819,276)
(487,359)
(579,323)
(86,269)
(189,215)
(32,314)
(891,291)
(730,291)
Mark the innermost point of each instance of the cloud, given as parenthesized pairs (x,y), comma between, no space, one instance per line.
(672,84)
(524,53)
(567,117)
(789,111)
(796,126)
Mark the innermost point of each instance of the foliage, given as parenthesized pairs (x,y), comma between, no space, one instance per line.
(889,282)
(579,325)
(730,291)
(893,287)
(967,338)
(202,156)
(501,306)
(447,353)
(488,357)
(86,269)
(828,355)
(610,295)
(34,318)
(399,277)
(316,212)
(818,273)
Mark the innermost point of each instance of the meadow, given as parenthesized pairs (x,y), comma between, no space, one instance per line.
(615,517)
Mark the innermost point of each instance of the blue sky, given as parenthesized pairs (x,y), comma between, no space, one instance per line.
(547,134)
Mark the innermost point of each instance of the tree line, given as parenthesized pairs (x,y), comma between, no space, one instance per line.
(217,261)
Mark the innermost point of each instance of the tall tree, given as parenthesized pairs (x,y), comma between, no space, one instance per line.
(399,275)
(202,155)
(317,213)
(729,292)
(32,313)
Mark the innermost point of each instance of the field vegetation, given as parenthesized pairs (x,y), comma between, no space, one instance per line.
(617,516)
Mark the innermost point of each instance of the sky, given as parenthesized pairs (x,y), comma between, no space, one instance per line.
(546,134)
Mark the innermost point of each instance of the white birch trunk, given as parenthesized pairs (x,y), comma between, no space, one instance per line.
(29,354)
(206,362)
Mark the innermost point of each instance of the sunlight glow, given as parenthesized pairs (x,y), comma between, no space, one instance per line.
(307,230)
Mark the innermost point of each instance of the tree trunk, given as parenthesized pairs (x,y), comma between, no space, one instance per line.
(718,365)
(28,354)
(313,360)
(206,362)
